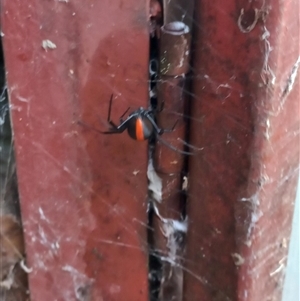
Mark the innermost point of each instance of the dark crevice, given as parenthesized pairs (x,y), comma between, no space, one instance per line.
(155,264)
(12,249)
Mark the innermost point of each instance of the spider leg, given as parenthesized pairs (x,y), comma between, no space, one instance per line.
(172,129)
(113,130)
(121,118)
(113,125)
(88,126)
(159,130)
(175,149)
(120,128)
(190,145)
(123,126)
(109,113)
(109,108)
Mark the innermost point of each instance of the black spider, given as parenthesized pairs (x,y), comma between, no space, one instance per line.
(140,125)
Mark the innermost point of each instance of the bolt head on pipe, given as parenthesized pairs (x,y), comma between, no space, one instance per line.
(174,49)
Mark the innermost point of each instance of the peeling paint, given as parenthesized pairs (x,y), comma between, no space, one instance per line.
(42,215)
(47,44)
(289,84)
(256,213)
(267,74)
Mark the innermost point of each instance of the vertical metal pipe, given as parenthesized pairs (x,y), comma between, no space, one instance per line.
(169,226)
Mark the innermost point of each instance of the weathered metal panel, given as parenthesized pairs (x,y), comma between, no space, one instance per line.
(82,194)
(245,116)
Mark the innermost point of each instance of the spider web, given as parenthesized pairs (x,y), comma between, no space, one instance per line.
(13,270)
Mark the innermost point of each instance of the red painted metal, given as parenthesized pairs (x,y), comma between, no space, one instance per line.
(245,116)
(82,194)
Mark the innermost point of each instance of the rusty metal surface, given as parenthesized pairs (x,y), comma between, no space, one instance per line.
(245,116)
(170,163)
(171,97)
(175,41)
(82,194)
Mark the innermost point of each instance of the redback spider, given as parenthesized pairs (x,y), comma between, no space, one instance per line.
(140,125)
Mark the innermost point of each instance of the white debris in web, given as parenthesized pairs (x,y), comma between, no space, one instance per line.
(8,282)
(24,267)
(255,215)
(155,183)
(171,230)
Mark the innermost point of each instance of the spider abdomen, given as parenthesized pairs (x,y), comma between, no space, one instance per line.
(140,128)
